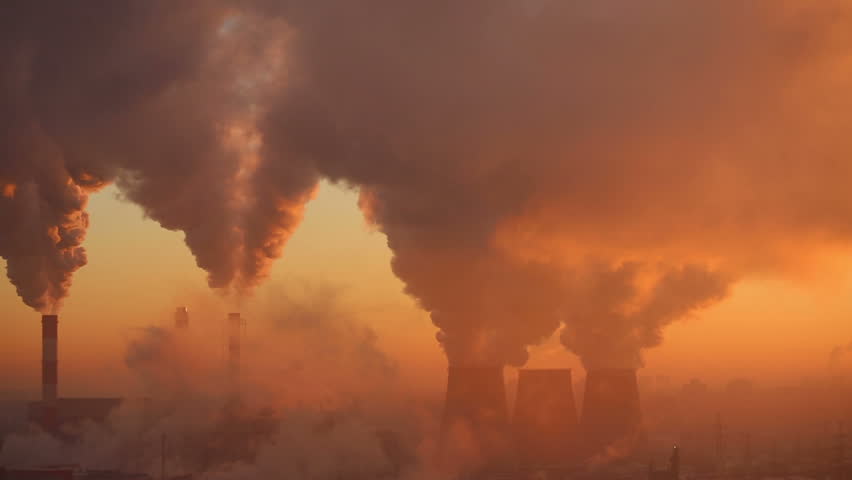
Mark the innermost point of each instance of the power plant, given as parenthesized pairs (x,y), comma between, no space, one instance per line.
(544,431)
(612,417)
(235,325)
(53,411)
(475,410)
(542,434)
(545,426)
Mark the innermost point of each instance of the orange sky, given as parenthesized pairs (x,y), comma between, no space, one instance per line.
(138,273)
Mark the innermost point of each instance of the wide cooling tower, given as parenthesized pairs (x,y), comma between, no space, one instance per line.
(475,412)
(612,420)
(545,422)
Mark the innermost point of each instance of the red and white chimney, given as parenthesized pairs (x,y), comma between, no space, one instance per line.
(49,370)
(49,375)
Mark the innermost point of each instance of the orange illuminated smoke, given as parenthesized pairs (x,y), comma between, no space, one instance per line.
(8,190)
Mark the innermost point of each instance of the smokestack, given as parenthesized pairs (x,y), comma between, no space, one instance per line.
(49,369)
(181,318)
(612,419)
(475,407)
(234,330)
(545,420)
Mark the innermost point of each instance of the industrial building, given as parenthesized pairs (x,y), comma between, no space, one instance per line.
(53,412)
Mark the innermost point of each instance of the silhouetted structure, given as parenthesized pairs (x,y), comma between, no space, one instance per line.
(181,318)
(839,468)
(719,443)
(672,472)
(475,409)
(545,421)
(49,371)
(611,414)
(235,325)
(52,412)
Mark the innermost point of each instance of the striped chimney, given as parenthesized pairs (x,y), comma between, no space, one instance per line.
(49,374)
(49,371)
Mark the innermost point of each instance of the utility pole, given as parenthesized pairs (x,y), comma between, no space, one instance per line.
(840,452)
(163,457)
(747,455)
(720,443)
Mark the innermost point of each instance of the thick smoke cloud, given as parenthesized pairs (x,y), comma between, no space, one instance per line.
(609,167)
(628,319)
(157,96)
(501,148)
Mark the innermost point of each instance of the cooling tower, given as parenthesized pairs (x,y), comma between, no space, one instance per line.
(49,369)
(475,412)
(545,421)
(181,318)
(611,418)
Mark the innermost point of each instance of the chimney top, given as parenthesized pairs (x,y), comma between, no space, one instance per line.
(181,317)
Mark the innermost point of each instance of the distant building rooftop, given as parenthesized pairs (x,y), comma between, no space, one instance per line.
(75,410)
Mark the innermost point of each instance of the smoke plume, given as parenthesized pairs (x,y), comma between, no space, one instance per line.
(155,96)
(297,416)
(502,147)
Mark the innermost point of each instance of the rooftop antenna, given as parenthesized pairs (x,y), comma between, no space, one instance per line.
(674,464)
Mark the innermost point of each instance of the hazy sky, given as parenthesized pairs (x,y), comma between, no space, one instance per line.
(674,172)
(138,272)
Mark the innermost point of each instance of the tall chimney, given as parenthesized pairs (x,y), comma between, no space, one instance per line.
(234,330)
(49,371)
(611,418)
(475,408)
(181,318)
(545,422)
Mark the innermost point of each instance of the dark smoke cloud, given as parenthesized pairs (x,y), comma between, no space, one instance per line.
(627,319)
(501,145)
(157,96)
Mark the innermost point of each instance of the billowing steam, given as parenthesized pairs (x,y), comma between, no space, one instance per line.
(157,96)
(610,166)
(320,401)
(627,318)
(502,149)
